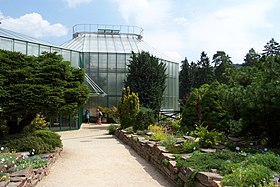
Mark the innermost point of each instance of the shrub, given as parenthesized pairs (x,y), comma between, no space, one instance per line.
(31,162)
(49,137)
(189,146)
(144,118)
(26,142)
(206,138)
(207,161)
(128,107)
(169,141)
(269,160)
(112,128)
(38,123)
(251,175)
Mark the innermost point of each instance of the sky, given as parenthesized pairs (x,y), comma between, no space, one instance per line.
(179,28)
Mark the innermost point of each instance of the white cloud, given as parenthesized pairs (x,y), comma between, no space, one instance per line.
(181,21)
(146,13)
(230,29)
(34,25)
(75,3)
(186,29)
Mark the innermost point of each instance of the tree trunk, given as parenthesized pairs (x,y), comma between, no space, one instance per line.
(15,127)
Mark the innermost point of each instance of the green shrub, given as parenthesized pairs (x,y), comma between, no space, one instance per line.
(250,175)
(207,161)
(26,142)
(128,108)
(31,162)
(40,141)
(269,160)
(158,136)
(169,141)
(112,128)
(49,137)
(144,118)
(158,133)
(37,124)
(189,146)
(206,138)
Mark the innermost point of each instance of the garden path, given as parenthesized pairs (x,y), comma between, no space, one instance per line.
(91,157)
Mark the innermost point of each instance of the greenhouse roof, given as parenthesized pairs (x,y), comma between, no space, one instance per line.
(111,40)
(18,36)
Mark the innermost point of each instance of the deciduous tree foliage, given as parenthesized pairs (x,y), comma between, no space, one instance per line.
(146,76)
(44,84)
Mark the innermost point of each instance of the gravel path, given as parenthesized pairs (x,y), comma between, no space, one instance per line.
(92,158)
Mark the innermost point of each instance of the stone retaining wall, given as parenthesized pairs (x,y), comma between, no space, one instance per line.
(30,177)
(165,162)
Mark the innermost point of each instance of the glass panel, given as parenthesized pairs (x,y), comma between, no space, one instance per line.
(102,62)
(33,49)
(6,44)
(75,59)
(112,84)
(86,62)
(120,82)
(74,121)
(112,61)
(94,62)
(102,44)
(126,45)
(65,122)
(44,48)
(20,47)
(113,101)
(118,45)
(121,62)
(110,44)
(102,81)
(66,55)
(92,41)
(54,49)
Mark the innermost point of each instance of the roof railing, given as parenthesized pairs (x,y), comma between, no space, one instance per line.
(107,29)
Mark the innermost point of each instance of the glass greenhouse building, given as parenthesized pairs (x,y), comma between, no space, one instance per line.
(104,51)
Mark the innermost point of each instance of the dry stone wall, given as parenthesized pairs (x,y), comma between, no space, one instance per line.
(165,162)
(30,177)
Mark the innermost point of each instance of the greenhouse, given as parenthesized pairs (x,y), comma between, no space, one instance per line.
(104,51)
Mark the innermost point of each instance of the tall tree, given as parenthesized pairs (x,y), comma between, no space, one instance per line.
(272,48)
(205,70)
(251,58)
(221,62)
(44,84)
(146,76)
(184,79)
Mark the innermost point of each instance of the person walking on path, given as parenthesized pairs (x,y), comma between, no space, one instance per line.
(99,116)
(87,116)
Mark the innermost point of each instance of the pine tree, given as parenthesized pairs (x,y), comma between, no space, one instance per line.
(184,79)
(146,76)
(272,48)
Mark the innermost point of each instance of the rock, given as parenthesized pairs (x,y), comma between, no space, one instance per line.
(23,173)
(208,150)
(190,138)
(206,178)
(4,183)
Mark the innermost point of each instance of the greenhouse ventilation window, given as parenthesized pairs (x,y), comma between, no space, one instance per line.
(95,90)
